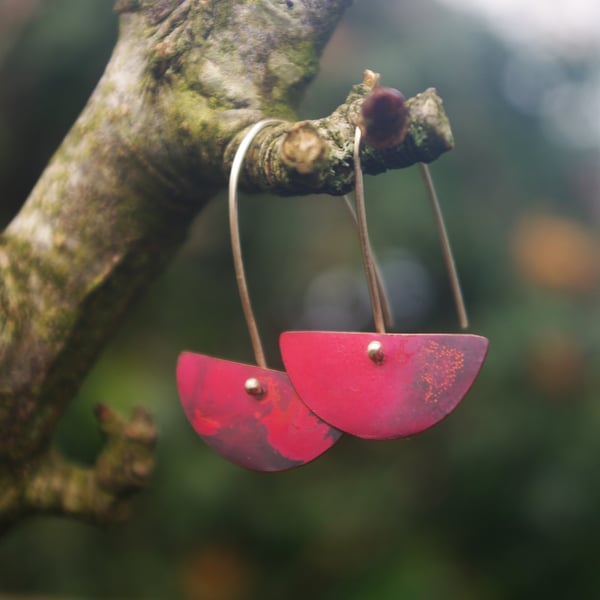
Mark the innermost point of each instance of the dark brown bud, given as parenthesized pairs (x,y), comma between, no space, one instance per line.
(383,119)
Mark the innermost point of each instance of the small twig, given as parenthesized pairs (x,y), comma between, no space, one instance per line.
(100,494)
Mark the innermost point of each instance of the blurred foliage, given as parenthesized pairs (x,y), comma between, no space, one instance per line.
(499,501)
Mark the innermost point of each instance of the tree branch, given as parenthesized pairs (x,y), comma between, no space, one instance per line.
(311,157)
(152,146)
(53,485)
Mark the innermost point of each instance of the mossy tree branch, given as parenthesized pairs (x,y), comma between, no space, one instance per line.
(152,146)
(99,494)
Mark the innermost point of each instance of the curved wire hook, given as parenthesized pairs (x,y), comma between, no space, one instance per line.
(445,244)
(367,253)
(386,306)
(379,299)
(236,246)
(363,236)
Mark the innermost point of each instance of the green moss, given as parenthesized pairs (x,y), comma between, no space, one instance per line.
(289,70)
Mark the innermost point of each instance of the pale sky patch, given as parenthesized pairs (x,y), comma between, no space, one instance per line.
(570,28)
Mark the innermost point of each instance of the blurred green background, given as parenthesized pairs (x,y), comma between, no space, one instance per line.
(501,500)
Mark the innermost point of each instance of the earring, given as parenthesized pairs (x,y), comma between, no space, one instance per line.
(249,414)
(381,385)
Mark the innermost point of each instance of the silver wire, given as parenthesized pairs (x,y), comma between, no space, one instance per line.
(236,247)
(363,236)
(446,248)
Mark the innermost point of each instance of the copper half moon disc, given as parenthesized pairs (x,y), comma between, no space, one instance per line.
(250,415)
(408,384)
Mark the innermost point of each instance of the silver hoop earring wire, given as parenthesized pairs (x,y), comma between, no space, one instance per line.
(236,246)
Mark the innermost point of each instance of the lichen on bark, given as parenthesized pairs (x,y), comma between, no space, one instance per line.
(151,147)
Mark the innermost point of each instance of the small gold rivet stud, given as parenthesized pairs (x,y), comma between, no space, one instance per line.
(253,387)
(375,352)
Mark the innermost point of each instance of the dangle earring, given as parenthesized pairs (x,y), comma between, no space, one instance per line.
(381,385)
(251,415)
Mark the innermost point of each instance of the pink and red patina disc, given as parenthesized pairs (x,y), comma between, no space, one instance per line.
(270,431)
(416,381)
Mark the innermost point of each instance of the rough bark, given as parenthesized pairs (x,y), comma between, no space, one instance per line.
(152,146)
